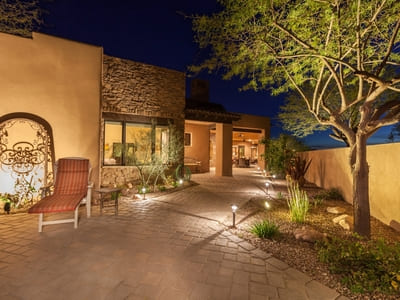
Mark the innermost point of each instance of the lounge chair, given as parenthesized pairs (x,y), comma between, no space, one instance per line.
(71,189)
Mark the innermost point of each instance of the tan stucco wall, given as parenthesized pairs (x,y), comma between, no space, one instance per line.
(330,168)
(200,149)
(58,80)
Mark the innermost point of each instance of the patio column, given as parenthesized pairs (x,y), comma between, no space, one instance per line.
(223,163)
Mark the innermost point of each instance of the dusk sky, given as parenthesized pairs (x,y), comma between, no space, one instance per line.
(156,32)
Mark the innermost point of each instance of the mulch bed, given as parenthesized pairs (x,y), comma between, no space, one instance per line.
(299,254)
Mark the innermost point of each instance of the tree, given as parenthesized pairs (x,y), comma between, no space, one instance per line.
(151,163)
(20,17)
(280,151)
(337,55)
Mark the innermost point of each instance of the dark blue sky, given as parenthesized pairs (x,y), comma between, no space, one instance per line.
(154,32)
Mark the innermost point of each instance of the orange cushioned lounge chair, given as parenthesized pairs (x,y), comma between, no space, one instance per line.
(71,189)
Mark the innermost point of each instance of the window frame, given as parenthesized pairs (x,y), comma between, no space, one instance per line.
(154,124)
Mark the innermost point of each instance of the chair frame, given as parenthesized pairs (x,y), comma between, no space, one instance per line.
(86,200)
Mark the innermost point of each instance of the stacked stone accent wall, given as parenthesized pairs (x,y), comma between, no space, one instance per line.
(137,89)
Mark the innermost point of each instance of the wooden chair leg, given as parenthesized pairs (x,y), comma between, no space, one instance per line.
(76,217)
(40,222)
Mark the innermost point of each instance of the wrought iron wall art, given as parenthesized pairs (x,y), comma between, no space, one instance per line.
(26,158)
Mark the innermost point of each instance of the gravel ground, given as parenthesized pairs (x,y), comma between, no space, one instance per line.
(299,254)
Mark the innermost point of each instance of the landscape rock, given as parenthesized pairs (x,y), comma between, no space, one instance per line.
(339,218)
(335,210)
(395,225)
(345,221)
(308,235)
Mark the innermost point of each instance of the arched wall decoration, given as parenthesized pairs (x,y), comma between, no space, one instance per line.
(29,157)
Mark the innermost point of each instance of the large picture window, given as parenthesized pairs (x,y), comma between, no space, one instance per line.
(129,144)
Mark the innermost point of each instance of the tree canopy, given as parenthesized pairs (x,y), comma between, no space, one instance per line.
(340,56)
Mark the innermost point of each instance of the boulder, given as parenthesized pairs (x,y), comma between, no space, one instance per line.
(335,210)
(339,218)
(345,221)
(308,235)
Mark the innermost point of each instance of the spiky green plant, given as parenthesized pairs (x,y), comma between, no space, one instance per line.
(265,229)
(298,202)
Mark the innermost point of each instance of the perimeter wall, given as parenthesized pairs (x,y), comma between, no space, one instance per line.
(330,169)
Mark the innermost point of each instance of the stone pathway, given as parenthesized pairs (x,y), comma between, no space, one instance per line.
(172,247)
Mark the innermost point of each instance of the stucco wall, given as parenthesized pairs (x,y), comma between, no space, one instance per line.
(133,89)
(330,168)
(200,149)
(58,80)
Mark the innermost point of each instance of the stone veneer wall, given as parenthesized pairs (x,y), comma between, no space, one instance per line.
(138,89)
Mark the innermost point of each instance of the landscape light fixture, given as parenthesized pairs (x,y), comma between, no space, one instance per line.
(181,181)
(144,192)
(267,205)
(267,187)
(234,208)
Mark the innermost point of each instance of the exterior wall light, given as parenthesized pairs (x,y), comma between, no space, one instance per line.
(234,208)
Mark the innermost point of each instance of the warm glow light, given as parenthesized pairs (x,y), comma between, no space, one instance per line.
(143,190)
(267,184)
(234,208)
(274,176)
(267,204)
(181,181)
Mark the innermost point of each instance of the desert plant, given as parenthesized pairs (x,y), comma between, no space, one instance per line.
(365,266)
(298,202)
(280,196)
(152,166)
(279,152)
(297,169)
(333,194)
(265,229)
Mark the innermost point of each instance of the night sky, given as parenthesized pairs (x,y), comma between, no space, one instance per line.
(156,32)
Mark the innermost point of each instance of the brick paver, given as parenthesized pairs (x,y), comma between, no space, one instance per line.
(175,246)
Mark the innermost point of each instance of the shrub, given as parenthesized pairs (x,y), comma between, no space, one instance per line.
(365,266)
(265,229)
(331,194)
(298,202)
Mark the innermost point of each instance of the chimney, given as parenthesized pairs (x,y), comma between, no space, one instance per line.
(199,90)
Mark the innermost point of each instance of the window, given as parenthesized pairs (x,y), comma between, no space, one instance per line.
(188,139)
(127,144)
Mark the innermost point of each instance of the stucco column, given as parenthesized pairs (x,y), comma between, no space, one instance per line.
(261,151)
(223,164)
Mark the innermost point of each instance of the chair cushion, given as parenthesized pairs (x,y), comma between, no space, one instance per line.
(72,176)
(57,203)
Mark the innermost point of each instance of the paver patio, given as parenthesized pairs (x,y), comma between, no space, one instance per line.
(175,246)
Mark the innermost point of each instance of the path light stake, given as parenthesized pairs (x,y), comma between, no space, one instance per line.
(180,181)
(234,208)
(267,187)
(144,193)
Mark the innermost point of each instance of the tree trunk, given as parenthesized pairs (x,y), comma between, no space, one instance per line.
(361,187)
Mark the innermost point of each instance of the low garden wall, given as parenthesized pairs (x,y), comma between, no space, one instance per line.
(330,169)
